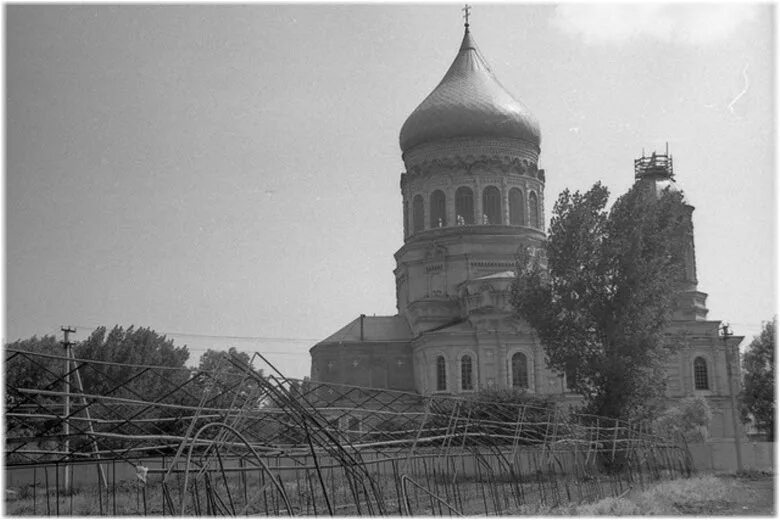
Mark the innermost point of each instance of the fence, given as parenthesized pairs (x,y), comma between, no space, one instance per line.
(722,456)
(237,441)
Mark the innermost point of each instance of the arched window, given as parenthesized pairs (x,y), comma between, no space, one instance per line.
(700,379)
(464,206)
(533,209)
(418,214)
(438,209)
(516,216)
(519,371)
(491,205)
(441,374)
(466,373)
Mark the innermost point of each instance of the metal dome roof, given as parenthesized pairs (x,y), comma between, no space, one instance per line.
(469,102)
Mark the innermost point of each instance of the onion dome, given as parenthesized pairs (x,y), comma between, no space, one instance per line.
(469,102)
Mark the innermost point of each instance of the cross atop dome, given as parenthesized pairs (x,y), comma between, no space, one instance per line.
(466,13)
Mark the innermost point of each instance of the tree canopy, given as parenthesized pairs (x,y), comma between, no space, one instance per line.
(34,371)
(133,363)
(602,304)
(758,392)
(222,377)
(132,346)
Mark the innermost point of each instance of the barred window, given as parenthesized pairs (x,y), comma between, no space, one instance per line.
(466,373)
(464,206)
(491,205)
(533,209)
(438,209)
(418,214)
(516,210)
(441,374)
(519,371)
(700,379)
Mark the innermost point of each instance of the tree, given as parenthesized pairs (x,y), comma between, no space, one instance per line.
(117,374)
(687,417)
(223,376)
(32,371)
(22,371)
(602,306)
(758,392)
(122,349)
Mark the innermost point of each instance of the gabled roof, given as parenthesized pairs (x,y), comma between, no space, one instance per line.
(375,328)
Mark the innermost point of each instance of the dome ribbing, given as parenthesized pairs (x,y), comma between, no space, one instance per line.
(469,102)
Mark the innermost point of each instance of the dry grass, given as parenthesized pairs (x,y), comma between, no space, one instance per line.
(695,496)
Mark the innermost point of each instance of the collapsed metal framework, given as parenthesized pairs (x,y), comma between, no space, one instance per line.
(239,441)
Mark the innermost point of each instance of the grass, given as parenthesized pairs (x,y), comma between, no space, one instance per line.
(694,496)
(669,497)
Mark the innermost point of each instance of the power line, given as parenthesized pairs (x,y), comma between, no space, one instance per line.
(215,336)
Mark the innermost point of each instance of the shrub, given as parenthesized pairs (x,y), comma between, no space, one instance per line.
(688,417)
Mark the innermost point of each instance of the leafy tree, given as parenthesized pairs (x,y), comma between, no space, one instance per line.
(687,417)
(758,392)
(32,371)
(223,376)
(124,348)
(602,305)
(120,349)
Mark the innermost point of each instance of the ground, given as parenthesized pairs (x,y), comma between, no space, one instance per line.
(753,496)
(750,494)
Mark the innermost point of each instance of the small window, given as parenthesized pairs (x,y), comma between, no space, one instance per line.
(438,209)
(700,379)
(519,371)
(516,217)
(491,205)
(571,378)
(466,373)
(464,206)
(441,374)
(418,214)
(533,209)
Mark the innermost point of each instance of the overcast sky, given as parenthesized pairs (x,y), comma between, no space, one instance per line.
(234,170)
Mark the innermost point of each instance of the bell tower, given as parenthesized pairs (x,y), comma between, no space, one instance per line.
(656,174)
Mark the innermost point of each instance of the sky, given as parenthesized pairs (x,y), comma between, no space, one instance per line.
(229,175)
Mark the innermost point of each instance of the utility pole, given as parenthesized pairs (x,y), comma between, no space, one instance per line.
(726,334)
(66,343)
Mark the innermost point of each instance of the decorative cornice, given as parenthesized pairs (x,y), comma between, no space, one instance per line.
(470,164)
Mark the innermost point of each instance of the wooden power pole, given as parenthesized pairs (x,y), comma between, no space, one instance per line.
(734,411)
(66,343)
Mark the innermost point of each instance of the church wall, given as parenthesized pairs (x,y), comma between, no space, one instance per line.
(369,364)
(436,268)
(492,354)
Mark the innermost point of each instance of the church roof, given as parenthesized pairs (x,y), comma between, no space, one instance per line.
(469,102)
(375,328)
(502,274)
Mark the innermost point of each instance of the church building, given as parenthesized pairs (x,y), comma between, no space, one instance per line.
(472,199)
